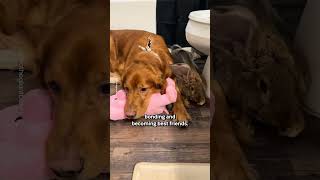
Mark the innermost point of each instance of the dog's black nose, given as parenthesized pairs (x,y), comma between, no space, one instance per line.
(65,174)
(67,169)
(131,114)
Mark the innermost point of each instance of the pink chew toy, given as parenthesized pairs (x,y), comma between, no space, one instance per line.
(157,104)
(23,139)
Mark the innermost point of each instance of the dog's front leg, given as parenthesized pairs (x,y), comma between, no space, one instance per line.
(229,161)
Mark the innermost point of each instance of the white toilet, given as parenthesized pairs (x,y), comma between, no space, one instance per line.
(198,36)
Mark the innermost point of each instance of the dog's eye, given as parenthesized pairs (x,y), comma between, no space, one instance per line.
(54,87)
(143,89)
(104,88)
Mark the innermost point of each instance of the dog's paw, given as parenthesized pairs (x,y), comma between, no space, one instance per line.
(183,116)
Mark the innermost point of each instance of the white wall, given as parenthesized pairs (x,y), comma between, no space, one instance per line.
(133,14)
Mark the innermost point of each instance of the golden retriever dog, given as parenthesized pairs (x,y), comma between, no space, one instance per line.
(73,65)
(142,60)
(75,72)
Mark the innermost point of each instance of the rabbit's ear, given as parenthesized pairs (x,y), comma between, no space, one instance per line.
(234,23)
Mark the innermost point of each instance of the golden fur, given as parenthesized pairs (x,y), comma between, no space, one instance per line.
(143,61)
(69,39)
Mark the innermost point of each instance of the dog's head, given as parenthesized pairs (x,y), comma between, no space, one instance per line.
(75,71)
(142,78)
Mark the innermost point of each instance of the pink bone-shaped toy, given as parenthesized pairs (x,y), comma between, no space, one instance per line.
(23,140)
(157,104)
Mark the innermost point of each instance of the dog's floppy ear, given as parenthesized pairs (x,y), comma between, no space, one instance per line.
(161,84)
(167,60)
(167,72)
(42,53)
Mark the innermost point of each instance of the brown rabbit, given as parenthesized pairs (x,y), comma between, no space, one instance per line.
(190,83)
(188,74)
(260,75)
